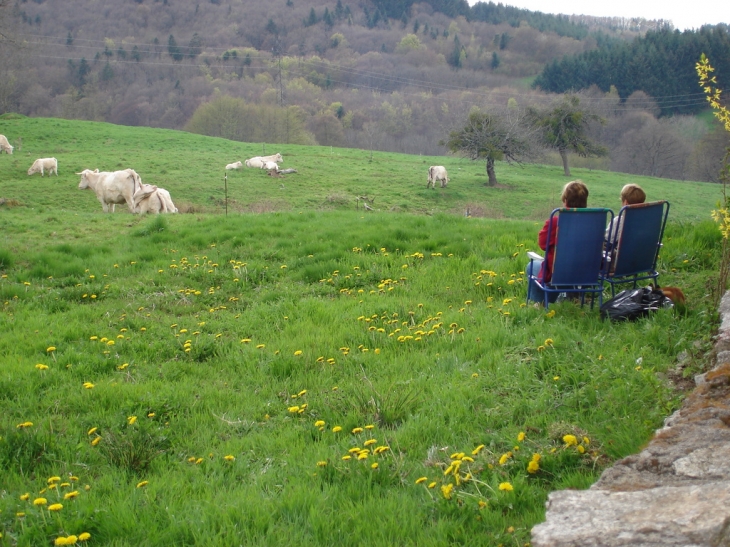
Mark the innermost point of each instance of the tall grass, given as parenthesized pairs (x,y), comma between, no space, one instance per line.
(315,378)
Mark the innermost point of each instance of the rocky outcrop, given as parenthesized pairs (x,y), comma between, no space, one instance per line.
(675,492)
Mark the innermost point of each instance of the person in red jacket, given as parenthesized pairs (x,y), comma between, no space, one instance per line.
(575,196)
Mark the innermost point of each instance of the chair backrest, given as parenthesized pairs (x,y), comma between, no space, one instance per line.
(638,233)
(579,248)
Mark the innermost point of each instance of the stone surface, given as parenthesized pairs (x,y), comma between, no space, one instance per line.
(675,492)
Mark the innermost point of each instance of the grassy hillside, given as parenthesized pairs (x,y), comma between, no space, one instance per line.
(191,167)
(314,375)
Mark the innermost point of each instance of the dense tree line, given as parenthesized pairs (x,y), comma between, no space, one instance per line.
(335,72)
(661,64)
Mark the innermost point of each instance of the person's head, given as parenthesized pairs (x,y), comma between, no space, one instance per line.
(575,195)
(632,194)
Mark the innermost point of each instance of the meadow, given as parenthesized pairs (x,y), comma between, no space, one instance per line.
(299,370)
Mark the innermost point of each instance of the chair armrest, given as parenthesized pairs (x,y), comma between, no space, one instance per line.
(533,256)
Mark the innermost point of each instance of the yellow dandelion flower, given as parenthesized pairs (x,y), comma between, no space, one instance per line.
(580,449)
(50,349)
(24,425)
(53,480)
(131,420)
(92,431)
(336,429)
(40,501)
(570,440)
(504,458)
(55,507)
(229,458)
(482,504)
(41,366)
(357,430)
(536,457)
(61,540)
(446,490)
(151,415)
(71,495)
(319,423)
(370,426)
(297,353)
(374,465)
(540,348)
(548,342)
(586,441)
(505,486)
(533,467)
(550,314)
(520,436)
(88,385)
(477,450)
(321,463)
(293,409)
(96,441)
(421,480)
(198,461)
(346,457)
(142,484)
(245,341)
(370,441)
(84,536)
(25,497)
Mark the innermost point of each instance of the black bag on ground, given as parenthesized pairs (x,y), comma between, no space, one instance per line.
(634,303)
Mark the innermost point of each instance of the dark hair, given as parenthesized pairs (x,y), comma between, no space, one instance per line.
(575,195)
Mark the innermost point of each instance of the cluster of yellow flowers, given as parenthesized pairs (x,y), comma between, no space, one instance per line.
(357,453)
(62,491)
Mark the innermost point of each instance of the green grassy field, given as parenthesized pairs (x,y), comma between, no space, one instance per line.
(316,374)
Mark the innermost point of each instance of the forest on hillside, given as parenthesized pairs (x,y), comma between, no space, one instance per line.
(370,74)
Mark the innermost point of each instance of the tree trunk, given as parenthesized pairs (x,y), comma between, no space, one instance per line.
(490,173)
(564,157)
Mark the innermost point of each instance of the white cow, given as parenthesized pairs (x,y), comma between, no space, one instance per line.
(269,165)
(235,165)
(151,199)
(44,164)
(255,162)
(111,187)
(437,173)
(5,145)
(276,157)
(259,161)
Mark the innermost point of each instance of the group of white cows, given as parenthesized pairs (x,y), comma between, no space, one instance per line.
(126,186)
(111,188)
(261,162)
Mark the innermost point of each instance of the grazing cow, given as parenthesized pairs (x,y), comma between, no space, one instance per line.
(235,165)
(437,173)
(111,187)
(151,199)
(44,164)
(5,145)
(255,162)
(269,165)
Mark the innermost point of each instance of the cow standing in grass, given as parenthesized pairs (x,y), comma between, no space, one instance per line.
(437,173)
(111,188)
(41,165)
(5,145)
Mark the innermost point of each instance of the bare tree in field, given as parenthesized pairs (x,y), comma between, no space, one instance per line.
(655,150)
(565,128)
(493,137)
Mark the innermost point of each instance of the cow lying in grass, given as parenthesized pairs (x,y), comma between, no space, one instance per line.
(150,199)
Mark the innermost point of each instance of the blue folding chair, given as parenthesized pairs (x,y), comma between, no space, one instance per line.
(578,266)
(634,242)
